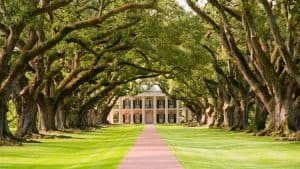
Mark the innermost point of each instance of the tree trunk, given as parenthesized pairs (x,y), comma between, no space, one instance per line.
(244,114)
(219,114)
(228,116)
(294,115)
(27,112)
(279,121)
(285,110)
(71,118)
(60,119)
(82,119)
(198,117)
(104,116)
(260,116)
(4,129)
(204,116)
(213,115)
(46,115)
(105,112)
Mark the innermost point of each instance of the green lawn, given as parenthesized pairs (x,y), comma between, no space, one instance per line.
(100,149)
(202,148)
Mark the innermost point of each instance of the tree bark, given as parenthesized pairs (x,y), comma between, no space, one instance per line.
(60,119)
(82,119)
(260,116)
(104,116)
(244,114)
(294,115)
(228,116)
(46,115)
(205,115)
(27,112)
(4,129)
(282,111)
(219,114)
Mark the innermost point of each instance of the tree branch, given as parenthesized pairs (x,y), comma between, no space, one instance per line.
(233,13)
(28,55)
(203,15)
(49,8)
(120,27)
(4,29)
(125,63)
(290,65)
(3,10)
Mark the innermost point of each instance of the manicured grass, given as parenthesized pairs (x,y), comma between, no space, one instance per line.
(202,148)
(100,149)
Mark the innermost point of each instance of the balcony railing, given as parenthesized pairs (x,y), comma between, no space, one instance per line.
(148,106)
(137,106)
(172,106)
(126,106)
(160,106)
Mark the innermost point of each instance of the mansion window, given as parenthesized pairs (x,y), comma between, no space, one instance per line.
(126,104)
(149,103)
(160,104)
(172,103)
(137,103)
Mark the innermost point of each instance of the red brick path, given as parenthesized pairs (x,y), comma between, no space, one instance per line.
(149,152)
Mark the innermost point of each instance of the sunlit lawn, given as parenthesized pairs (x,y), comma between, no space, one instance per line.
(100,149)
(202,148)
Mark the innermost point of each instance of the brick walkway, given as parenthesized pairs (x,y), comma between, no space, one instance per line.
(150,152)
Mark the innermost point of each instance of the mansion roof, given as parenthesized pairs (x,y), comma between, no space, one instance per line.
(154,90)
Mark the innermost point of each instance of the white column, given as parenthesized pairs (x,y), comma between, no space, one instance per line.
(166,109)
(154,110)
(131,110)
(120,110)
(177,112)
(143,110)
(111,117)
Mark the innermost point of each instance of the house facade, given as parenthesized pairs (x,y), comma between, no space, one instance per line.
(150,107)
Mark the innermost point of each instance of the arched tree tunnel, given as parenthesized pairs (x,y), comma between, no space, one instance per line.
(63,62)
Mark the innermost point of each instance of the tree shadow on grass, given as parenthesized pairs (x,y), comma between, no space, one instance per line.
(40,165)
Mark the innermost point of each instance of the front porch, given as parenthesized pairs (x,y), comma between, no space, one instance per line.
(149,117)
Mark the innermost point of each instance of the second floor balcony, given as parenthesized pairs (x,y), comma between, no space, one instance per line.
(160,106)
(149,106)
(126,106)
(172,106)
(137,106)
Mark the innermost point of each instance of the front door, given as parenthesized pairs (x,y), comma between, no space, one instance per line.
(149,117)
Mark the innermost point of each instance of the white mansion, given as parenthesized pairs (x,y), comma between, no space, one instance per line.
(150,107)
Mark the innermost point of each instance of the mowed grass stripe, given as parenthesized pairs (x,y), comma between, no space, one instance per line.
(217,149)
(103,148)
